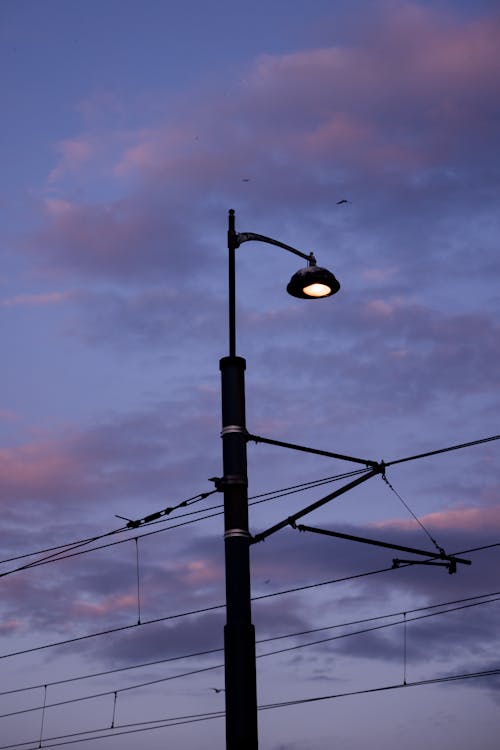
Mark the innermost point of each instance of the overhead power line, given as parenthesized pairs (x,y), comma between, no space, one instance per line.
(115,691)
(442,450)
(214,607)
(487,598)
(166,722)
(285,491)
(134,524)
(396,686)
(66,551)
(199,611)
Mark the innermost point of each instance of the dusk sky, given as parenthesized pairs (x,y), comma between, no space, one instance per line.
(366,131)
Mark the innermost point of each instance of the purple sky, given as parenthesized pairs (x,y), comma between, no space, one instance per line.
(128,131)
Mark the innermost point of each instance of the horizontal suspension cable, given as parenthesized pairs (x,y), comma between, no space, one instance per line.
(287,649)
(203,495)
(203,610)
(442,450)
(487,598)
(124,729)
(65,550)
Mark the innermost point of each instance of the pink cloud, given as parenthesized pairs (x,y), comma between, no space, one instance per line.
(379,274)
(459,519)
(126,238)
(141,157)
(339,131)
(35,300)
(6,415)
(107,605)
(417,71)
(38,471)
(200,572)
(409,96)
(8,627)
(399,353)
(381,308)
(156,148)
(73,154)
(57,206)
(377,101)
(97,236)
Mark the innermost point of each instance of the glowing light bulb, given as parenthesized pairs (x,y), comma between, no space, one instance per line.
(317,290)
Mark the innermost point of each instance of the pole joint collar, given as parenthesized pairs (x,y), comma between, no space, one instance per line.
(230,533)
(233,428)
(233,479)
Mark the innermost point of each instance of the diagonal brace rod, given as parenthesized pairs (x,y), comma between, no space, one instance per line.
(293,446)
(387,545)
(290,521)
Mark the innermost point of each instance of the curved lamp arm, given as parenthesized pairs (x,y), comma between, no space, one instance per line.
(240,237)
(306,283)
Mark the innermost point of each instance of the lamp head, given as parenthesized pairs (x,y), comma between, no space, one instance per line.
(313,282)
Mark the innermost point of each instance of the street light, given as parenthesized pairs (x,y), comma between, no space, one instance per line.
(311,282)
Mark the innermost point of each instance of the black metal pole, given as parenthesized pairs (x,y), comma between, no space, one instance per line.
(239,632)
(232,244)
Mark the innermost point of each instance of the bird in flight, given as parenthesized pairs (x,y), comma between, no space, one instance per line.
(344,200)
(218,690)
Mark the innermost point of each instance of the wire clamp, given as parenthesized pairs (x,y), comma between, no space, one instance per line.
(218,483)
(450,564)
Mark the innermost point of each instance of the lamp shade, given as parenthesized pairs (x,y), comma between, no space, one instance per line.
(313,282)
